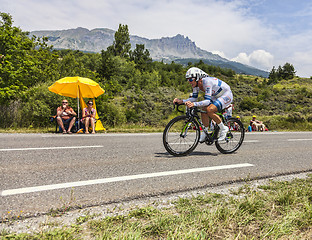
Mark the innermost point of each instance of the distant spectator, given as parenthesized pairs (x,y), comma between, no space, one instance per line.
(88,117)
(257,125)
(65,115)
(229,111)
(236,126)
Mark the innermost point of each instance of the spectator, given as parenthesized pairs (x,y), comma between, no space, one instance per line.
(228,111)
(65,116)
(236,126)
(257,125)
(88,117)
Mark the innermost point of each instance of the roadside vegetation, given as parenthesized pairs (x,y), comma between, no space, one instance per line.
(275,210)
(138,91)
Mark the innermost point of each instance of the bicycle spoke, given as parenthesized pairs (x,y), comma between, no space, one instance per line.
(181,136)
(234,137)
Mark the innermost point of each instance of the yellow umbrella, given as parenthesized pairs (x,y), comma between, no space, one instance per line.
(70,86)
(77,87)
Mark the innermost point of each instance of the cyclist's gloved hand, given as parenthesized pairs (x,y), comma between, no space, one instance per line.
(178,101)
(189,104)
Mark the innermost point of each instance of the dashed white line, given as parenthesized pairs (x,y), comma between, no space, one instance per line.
(47,148)
(118,179)
(299,139)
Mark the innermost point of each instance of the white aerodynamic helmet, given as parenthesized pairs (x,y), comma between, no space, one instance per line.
(196,73)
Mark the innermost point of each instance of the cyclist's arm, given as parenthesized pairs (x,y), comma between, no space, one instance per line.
(207,97)
(194,96)
(203,103)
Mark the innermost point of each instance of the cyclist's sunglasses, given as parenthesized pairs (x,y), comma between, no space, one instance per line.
(191,79)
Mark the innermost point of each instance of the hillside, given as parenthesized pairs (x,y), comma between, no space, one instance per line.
(178,48)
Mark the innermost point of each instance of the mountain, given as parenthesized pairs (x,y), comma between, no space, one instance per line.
(178,48)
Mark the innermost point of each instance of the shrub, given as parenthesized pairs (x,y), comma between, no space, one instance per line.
(295,117)
(249,103)
(113,115)
(309,118)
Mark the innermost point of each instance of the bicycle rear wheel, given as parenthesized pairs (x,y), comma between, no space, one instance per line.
(234,137)
(181,136)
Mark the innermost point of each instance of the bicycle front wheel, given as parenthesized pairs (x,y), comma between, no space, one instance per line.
(181,136)
(234,137)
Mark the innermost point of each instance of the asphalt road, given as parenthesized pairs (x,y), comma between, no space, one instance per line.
(40,172)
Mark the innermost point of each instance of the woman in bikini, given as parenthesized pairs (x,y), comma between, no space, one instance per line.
(88,117)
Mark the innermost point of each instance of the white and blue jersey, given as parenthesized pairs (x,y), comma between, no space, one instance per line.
(217,93)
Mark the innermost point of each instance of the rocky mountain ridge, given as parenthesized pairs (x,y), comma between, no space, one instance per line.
(167,49)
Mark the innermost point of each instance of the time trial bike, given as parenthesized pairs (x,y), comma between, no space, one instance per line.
(182,133)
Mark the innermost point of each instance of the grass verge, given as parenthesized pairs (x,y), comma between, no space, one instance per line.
(276,210)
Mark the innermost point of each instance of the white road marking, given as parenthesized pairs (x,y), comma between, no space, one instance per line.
(118,179)
(47,148)
(292,140)
(99,135)
(250,141)
(185,143)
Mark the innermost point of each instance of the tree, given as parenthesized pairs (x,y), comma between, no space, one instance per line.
(25,61)
(273,76)
(107,65)
(121,45)
(288,71)
(141,56)
(285,72)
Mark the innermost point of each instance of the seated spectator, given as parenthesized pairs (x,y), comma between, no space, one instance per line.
(65,115)
(88,117)
(257,125)
(236,126)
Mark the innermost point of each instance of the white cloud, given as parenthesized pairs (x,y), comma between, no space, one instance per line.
(258,58)
(220,53)
(242,58)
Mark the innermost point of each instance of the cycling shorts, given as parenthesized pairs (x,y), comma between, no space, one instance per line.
(223,101)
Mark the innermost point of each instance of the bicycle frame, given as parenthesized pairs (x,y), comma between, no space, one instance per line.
(192,114)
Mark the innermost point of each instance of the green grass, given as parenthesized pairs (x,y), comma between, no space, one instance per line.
(127,128)
(276,210)
(28,130)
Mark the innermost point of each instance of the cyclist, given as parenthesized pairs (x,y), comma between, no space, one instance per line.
(218,96)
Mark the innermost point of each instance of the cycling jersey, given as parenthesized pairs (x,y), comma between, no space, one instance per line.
(217,92)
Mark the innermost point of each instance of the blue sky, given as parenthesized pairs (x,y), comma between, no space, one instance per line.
(260,33)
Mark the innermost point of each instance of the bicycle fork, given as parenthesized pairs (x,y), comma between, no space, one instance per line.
(185,129)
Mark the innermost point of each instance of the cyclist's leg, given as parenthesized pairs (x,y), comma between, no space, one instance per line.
(205,118)
(211,112)
(217,105)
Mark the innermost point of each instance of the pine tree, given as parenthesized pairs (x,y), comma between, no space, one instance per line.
(121,45)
